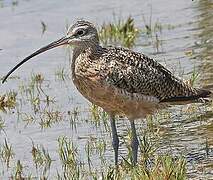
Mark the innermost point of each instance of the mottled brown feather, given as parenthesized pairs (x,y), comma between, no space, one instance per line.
(122,81)
(125,82)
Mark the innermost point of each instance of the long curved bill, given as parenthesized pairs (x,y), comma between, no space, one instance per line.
(60,42)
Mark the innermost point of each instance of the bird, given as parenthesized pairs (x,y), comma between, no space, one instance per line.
(120,80)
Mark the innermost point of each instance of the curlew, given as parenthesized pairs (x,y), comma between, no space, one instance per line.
(119,80)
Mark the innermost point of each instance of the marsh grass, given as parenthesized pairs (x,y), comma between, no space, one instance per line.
(95,147)
(89,150)
(50,117)
(99,116)
(19,174)
(6,153)
(28,119)
(18,171)
(73,117)
(151,164)
(46,118)
(194,77)
(68,154)
(147,150)
(33,86)
(41,158)
(2,124)
(33,91)
(150,27)
(8,101)
(157,44)
(36,81)
(125,33)
(42,105)
(122,32)
(163,167)
(62,74)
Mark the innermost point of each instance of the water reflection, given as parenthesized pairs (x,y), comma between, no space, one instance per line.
(204,41)
(204,49)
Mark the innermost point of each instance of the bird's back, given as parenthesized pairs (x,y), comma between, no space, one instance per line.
(137,73)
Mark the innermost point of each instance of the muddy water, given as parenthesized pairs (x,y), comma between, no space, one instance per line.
(183,44)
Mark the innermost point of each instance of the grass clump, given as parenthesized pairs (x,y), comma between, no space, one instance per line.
(34,86)
(18,171)
(194,77)
(41,158)
(50,117)
(98,117)
(164,167)
(73,117)
(6,152)
(19,174)
(68,156)
(121,32)
(67,152)
(94,147)
(34,92)
(151,165)
(8,101)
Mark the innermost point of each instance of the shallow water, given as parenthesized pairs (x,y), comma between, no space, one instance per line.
(185,40)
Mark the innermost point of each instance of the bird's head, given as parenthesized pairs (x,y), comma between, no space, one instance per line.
(82,34)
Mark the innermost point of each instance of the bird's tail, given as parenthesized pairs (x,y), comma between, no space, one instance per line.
(199,95)
(203,95)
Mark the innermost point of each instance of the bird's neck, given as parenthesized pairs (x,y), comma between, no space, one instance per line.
(92,51)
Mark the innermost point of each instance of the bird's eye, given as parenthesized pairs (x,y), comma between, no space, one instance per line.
(80,32)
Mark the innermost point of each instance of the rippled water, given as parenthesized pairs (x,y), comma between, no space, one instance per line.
(184,44)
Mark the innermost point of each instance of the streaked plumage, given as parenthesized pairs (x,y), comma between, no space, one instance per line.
(120,80)
(127,82)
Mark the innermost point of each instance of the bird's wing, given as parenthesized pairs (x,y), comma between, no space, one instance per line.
(136,73)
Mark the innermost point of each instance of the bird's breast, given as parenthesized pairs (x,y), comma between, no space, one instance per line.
(113,100)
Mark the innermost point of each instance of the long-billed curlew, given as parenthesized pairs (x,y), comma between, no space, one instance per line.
(119,80)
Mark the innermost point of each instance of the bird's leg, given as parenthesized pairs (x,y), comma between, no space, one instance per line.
(134,143)
(115,140)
